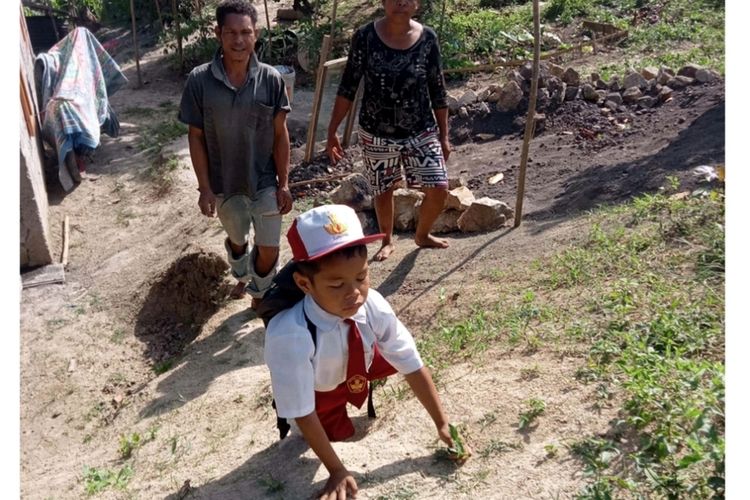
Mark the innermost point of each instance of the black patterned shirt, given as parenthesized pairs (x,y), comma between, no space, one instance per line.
(402,87)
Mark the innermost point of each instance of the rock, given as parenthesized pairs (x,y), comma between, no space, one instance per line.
(689,70)
(551,40)
(515,76)
(369,221)
(453,105)
(646,102)
(354,191)
(612,106)
(703,76)
(463,112)
(614,84)
(483,95)
(556,88)
(540,122)
(571,93)
(459,198)
(571,77)
(483,108)
(665,93)
(526,71)
(680,82)
(589,93)
(595,77)
(446,222)
(605,111)
(601,84)
(556,70)
(635,80)
(519,122)
(404,208)
(469,97)
(649,72)
(485,214)
(664,75)
(510,97)
(456,181)
(632,94)
(602,94)
(494,96)
(614,97)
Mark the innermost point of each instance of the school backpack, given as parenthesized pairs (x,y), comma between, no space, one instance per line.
(284,294)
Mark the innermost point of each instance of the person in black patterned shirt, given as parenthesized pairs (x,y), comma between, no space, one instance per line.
(403,122)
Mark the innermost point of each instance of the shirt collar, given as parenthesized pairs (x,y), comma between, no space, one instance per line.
(326,321)
(217,68)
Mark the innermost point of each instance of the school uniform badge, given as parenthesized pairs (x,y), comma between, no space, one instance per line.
(356,384)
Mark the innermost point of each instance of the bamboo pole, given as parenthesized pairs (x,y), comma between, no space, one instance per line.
(268,28)
(135,45)
(324,50)
(530,122)
(176,22)
(65,242)
(333,17)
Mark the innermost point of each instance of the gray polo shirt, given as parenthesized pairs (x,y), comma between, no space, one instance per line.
(237,123)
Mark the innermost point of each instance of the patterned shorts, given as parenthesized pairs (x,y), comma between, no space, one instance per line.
(420,156)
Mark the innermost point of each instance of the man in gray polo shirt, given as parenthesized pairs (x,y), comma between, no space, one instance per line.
(235,107)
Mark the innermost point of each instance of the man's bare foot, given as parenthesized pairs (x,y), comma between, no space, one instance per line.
(386,250)
(238,291)
(431,242)
(255,303)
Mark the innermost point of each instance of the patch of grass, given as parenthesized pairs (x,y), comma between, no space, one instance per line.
(158,135)
(124,216)
(530,373)
(535,408)
(118,335)
(128,444)
(140,112)
(551,450)
(497,446)
(488,419)
(271,484)
(163,366)
(99,479)
(398,493)
(161,173)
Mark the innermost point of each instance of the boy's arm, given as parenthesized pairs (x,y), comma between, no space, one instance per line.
(341,481)
(421,383)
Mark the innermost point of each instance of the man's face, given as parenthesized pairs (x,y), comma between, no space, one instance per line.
(237,37)
(341,286)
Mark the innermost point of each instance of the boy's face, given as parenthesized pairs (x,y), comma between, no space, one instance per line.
(341,285)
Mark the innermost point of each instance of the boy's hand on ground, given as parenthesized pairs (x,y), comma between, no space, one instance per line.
(339,485)
(334,149)
(207,203)
(445,434)
(284,200)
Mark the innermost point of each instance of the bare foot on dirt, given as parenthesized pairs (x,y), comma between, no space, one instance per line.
(238,291)
(431,242)
(255,303)
(384,252)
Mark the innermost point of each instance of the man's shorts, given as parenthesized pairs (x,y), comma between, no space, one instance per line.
(421,157)
(238,213)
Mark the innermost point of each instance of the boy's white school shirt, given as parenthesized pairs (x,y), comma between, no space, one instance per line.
(299,368)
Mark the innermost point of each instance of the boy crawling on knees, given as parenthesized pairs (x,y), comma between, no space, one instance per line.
(357,338)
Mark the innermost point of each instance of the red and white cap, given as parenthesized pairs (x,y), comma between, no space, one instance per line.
(325,229)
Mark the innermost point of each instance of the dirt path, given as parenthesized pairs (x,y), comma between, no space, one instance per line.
(88,348)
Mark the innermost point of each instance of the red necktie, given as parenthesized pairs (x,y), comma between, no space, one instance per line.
(356,373)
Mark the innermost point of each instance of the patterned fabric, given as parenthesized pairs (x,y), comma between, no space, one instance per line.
(76,77)
(402,87)
(421,157)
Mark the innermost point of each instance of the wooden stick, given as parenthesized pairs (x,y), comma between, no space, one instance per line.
(66,238)
(318,181)
(350,116)
(268,27)
(530,122)
(333,17)
(176,21)
(158,13)
(324,50)
(135,45)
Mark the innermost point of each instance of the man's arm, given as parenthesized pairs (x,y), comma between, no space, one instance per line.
(281,161)
(441,115)
(341,481)
(421,383)
(199,159)
(340,110)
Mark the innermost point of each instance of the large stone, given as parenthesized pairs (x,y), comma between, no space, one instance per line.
(463,112)
(571,77)
(703,76)
(689,70)
(632,94)
(446,222)
(453,105)
(354,191)
(589,93)
(556,88)
(664,75)
(614,84)
(571,93)
(515,76)
(665,93)
(484,109)
(601,84)
(649,72)
(456,181)
(556,70)
(646,102)
(615,97)
(680,82)
(469,97)
(404,208)
(510,97)
(526,71)
(485,214)
(369,221)
(459,198)
(484,94)
(635,80)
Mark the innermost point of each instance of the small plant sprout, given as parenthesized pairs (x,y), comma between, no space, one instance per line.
(271,484)
(128,444)
(551,450)
(535,408)
(458,452)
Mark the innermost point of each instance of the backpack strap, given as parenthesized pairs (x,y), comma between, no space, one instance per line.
(281,424)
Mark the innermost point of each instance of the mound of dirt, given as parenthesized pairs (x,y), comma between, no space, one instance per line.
(179,302)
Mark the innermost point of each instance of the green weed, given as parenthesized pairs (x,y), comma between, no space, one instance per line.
(496,447)
(128,444)
(271,485)
(163,366)
(536,408)
(97,480)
